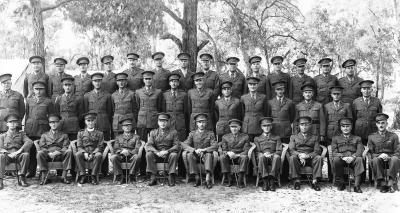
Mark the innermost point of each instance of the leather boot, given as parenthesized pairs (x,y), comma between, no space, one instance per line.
(171,180)
(153,180)
(272,185)
(265,185)
(197,181)
(240,180)
(1,184)
(23,181)
(94,180)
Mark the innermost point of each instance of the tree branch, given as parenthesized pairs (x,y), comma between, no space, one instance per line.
(173,15)
(59,4)
(202,44)
(175,39)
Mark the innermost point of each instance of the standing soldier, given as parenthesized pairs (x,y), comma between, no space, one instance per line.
(135,80)
(99,101)
(83,83)
(277,75)
(109,84)
(298,80)
(347,152)
(37,75)
(350,82)
(161,76)
(200,100)
(175,104)
(10,101)
(385,149)
(364,110)
(186,81)
(70,106)
(235,76)
(14,146)
(254,106)
(123,104)
(162,146)
(200,146)
(282,111)
(255,72)
(305,150)
(211,78)
(226,108)
(55,85)
(324,81)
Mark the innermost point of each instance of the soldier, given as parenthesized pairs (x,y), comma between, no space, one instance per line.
(55,85)
(305,150)
(83,83)
(161,76)
(313,109)
(186,81)
(226,108)
(235,147)
(38,74)
(70,107)
(200,146)
(298,80)
(175,104)
(347,151)
(268,152)
(10,101)
(255,72)
(282,111)
(126,149)
(385,149)
(200,100)
(324,81)
(235,76)
(211,78)
(53,145)
(254,106)
(135,80)
(364,110)
(350,82)
(99,101)
(109,84)
(162,146)
(149,103)
(90,148)
(277,75)
(123,103)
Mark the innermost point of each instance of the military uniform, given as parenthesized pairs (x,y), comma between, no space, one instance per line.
(275,77)
(323,83)
(37,110)
(364,114)
(238,80)
(109,83)
(211,81)
(314,110)
(55,85)
(10,102)
(268,143)
(201,102)
(262,85)
(35,77)
(161,79)
(135,80)
(70,108)
(124,105)
(253,108)
(295,92)
(351,89)
(175,104)
(90,142)
(283,113)
(333,112)
(130,142)
(225,110)
(186,81)
(239,144)
(83,84)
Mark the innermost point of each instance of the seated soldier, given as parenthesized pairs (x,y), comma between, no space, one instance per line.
(385,149)
(347,151)
(90,148)
(235,147)
(305,150)
(53,145)
(268,150)
(125,149)
(162,146)
(14,147)
(200,145)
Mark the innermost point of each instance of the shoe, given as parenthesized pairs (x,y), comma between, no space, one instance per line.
(121,180)
(266,185)
(240,180)
(272,185)
(94,180)
(341,186)
(23,181)
(296,185)
(1,184)
(153,182)
(171,180)
(82,179)
(316,186)
(357,189)
(208,184)
(392,189)
(65,181)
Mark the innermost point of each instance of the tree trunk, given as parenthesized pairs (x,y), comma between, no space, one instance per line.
(189,32)
(38,28)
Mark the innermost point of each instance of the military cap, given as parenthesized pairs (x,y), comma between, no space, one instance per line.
(163,116)
(147,74)
(307,87)
(60,61)
(67,80)
(232,60)
(279,84)
(255,59)
(12,117)
(97,76)
(82,60)
(366,83)
(174,76)
(157,55)
(201,117)
(90,115)
(252,80)
(300,61)
(5,77)
(336,88)
(183,56)
(206,57)
(304,119)
(235,122)
(54,117)
(106,59)
(121,76)
(325,61)
(226,84)
(266,120)
(132,56)
(381,117)
(36,58)
(126,121)
(345,121)
(38,85)
(277,57)
(198,75)
(349,62)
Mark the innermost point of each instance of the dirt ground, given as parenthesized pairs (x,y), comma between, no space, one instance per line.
(138,197)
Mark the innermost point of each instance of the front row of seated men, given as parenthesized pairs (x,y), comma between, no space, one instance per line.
(163,146)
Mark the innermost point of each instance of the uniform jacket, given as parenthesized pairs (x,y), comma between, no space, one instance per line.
(149,104)
(239,82)
(347,147)
(316,111)
(364,115)
(33,77)
(239,144)
(161,79)
(253,110)
(333,114)
(160,141)
(71,109)
(351,89)
(109,82)
(55,85)
(200,140)
(83,84)
(274,77)
(283,115)
(224,111)
(387,143)
(11,142)
(52,141)
(211,81)
(90,141)
(101,103)
(323,84)
(270,143)
(295,92)
(177,108)
(186,81)
(37,110)
(308,144)
(201,101)
(135,80)
(129,142)
(123,104)
(10,102)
